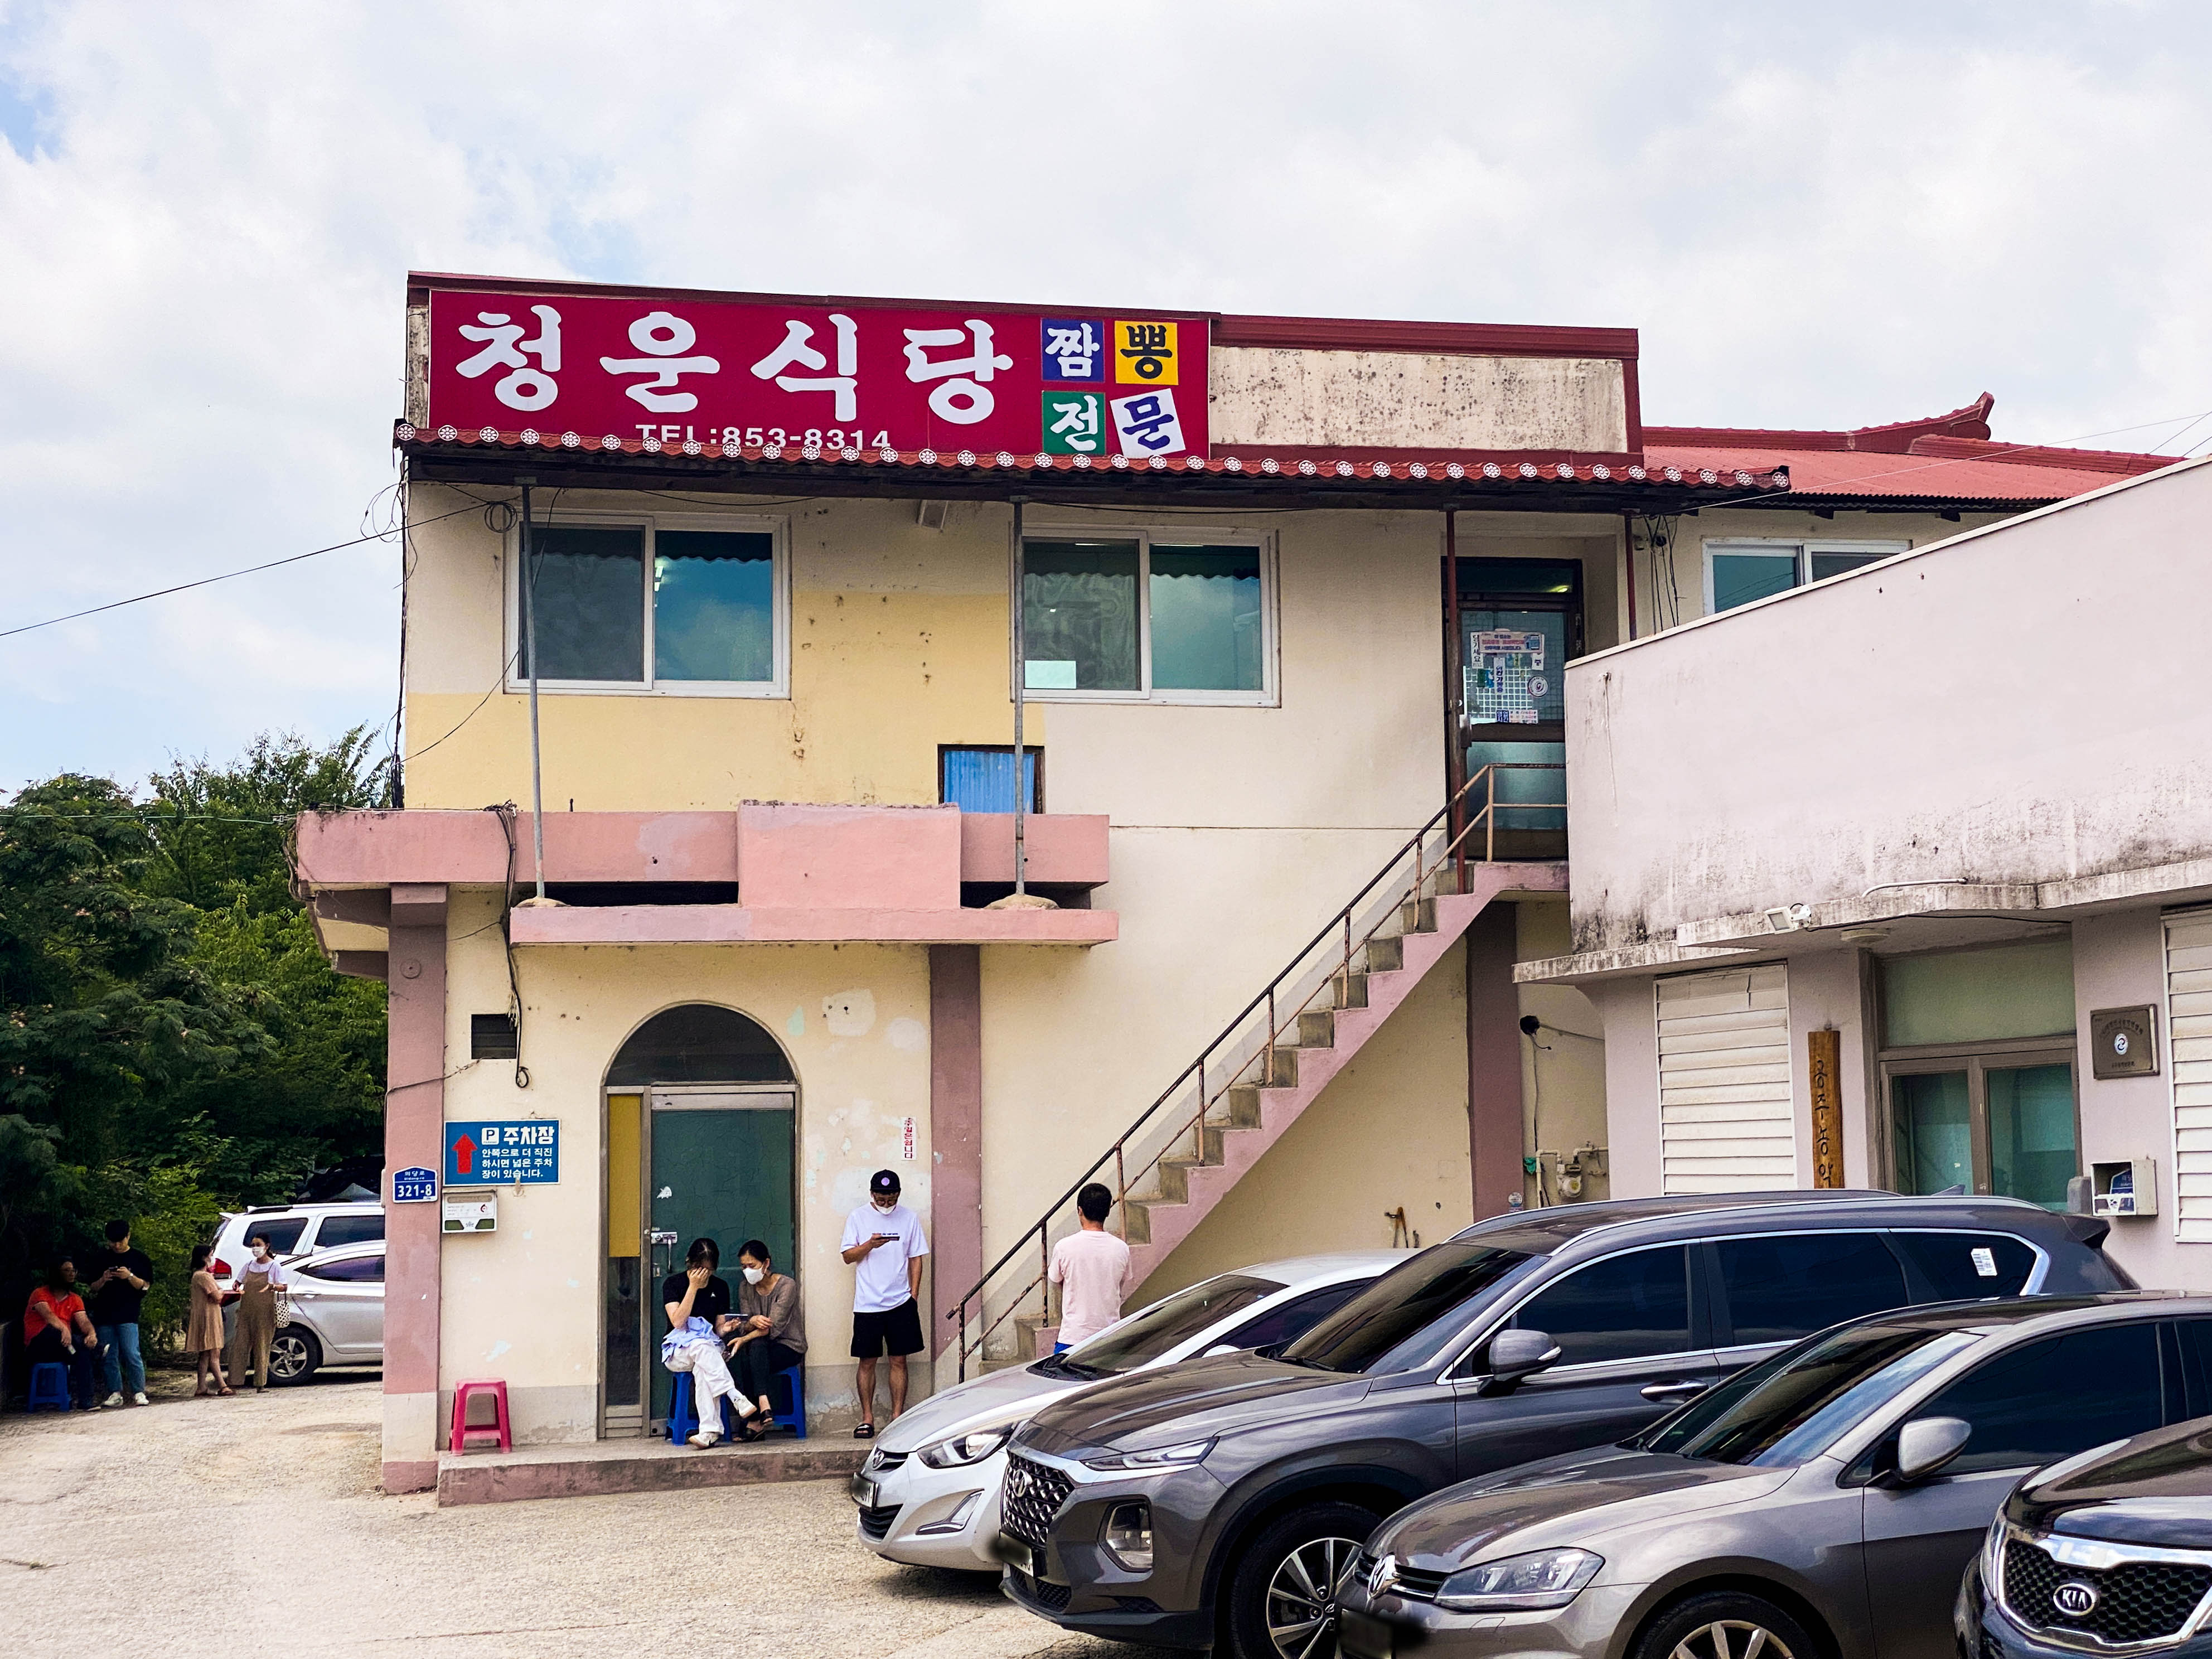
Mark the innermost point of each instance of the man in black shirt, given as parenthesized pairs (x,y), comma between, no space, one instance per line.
(117,1294)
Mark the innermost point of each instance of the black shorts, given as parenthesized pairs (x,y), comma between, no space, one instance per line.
(897,1332)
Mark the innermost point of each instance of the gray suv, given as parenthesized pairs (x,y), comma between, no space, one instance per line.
(1225,1499)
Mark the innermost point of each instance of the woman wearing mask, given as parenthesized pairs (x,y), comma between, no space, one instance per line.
(259,1281)
(770,1325)
(697,1304)
(203,1328)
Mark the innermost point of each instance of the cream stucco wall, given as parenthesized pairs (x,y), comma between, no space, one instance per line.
(1562,1066)
(524,1302)
(1388,1133)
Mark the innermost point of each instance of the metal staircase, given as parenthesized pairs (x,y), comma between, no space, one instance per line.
(1207,1130)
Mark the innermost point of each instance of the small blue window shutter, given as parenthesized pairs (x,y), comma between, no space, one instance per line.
(982,779)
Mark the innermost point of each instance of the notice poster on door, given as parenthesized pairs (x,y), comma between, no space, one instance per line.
(1505,677)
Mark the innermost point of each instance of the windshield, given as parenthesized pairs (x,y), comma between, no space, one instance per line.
(1142,1338)
(1387,1326)
(1793,1407)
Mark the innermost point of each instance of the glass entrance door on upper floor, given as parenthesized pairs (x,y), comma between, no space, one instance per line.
(1516,622)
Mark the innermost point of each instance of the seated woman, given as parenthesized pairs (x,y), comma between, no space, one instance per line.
(770,1325)
(698,1307)
(56,1331)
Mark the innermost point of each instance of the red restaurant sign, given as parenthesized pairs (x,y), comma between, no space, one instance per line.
(851,377)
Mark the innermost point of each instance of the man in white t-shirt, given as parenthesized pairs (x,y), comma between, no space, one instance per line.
(1091,1268)
(885,1242)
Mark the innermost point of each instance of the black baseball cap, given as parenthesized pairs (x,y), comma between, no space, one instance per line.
(884,1180)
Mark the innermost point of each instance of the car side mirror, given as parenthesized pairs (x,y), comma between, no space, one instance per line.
(1518,1354)
(1925,1444)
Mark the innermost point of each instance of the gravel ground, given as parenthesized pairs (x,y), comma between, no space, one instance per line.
(254,1525)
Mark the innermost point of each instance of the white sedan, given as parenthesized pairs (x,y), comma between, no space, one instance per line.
(928,1494)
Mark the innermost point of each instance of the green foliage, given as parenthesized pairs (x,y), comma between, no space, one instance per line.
(173,1041)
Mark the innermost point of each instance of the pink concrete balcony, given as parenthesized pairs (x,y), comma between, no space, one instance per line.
(888,874)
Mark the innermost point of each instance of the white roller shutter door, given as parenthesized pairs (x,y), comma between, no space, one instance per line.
(1725,1121)
(2188,1053)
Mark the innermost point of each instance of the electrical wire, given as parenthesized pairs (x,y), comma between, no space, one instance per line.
(206,581)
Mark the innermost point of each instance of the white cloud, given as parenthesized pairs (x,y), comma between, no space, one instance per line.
(206,215)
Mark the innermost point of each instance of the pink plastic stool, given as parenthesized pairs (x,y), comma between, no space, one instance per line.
(462,1393)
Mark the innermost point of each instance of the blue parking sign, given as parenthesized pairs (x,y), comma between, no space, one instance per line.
(414,1185)
(485,1154)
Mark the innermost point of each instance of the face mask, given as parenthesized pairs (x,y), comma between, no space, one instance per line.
(754,1275)
(886,1205)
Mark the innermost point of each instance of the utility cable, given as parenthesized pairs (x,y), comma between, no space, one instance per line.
(205,581)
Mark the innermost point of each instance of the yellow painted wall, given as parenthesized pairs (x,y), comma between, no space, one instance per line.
(899,643)
(524,1302)
(1390,1132)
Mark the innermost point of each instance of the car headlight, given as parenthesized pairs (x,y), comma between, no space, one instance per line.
(1993,1553)
(962,1450)
(1545,1578)
(1187,1455)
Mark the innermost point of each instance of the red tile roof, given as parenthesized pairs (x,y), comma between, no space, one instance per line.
(1293,465)
(1939,458)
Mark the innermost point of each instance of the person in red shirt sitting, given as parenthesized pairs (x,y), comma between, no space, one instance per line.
(56,1331)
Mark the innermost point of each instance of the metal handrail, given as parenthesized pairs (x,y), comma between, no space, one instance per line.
(1455,810)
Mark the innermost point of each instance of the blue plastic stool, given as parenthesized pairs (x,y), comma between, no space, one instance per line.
(793,1379)
(683,1419)
(50,1389)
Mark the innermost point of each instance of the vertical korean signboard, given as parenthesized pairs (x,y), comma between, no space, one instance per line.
(765,373)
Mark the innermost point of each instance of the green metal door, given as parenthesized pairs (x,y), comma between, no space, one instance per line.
(721,1169)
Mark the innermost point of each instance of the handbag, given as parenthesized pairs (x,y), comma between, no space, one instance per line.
(283,1305)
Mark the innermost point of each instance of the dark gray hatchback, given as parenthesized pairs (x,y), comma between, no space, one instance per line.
(1223,1500)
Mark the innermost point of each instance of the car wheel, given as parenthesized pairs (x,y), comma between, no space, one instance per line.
(294,1354)
(1282,1595)
(1726,1624)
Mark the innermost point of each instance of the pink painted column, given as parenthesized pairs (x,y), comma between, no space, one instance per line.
(956,1129)
(1493,1060)
(414,1133)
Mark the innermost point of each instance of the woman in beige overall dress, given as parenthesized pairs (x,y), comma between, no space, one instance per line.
(203,1331)
(257,1313)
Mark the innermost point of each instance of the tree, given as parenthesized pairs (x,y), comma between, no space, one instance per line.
(171,1037)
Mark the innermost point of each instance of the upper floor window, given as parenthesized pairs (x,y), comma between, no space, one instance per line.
(1136,617)
(687,607)
(1738,572)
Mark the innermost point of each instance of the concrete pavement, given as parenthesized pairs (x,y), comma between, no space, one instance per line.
(222,1527)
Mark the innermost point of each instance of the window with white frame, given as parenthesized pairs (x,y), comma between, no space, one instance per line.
(1175,617)
(1738,572)
(681,606)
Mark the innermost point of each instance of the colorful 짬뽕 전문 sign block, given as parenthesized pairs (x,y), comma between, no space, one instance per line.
(754,374)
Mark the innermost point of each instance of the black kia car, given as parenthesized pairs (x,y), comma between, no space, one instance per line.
(2110,1552)
(1225,1500)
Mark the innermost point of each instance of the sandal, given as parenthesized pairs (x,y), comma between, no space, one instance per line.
(865,1431)
(225,1393)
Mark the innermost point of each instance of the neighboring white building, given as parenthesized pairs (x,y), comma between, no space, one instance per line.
(1941,826)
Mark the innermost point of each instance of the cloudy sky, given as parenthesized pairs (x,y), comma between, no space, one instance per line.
(1816,216)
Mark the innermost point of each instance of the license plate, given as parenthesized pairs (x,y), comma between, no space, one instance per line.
(1017,1553)
(1359,1636)
(864,1491)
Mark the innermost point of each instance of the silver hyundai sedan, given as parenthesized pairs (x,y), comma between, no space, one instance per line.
(1825,1501)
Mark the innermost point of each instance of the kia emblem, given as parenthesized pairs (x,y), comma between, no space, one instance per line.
(2075,1599)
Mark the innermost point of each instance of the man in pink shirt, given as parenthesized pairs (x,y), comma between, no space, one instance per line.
(1091,1268)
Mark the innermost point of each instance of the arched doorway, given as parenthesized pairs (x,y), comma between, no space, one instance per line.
(700,1138)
